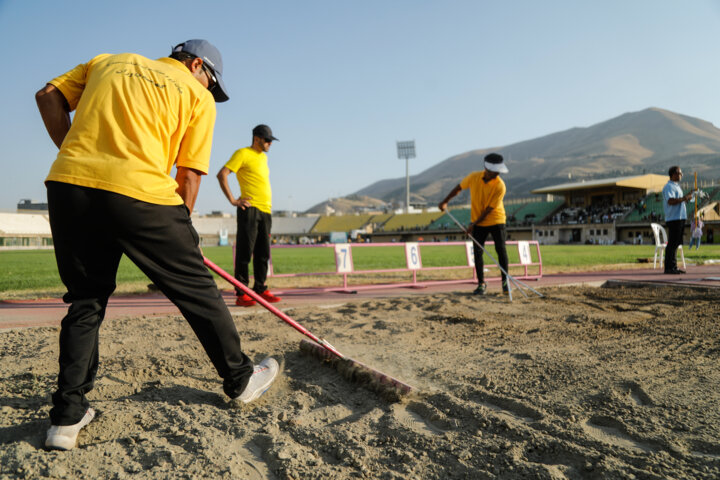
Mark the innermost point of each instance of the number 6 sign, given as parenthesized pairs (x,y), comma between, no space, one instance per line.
(412,255)
(343,258)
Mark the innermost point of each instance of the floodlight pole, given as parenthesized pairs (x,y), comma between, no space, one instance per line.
(407,185)
(406,150)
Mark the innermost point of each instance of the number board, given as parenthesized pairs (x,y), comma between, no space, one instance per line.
(343,258)
(412,256)
(469,251)
(524,253)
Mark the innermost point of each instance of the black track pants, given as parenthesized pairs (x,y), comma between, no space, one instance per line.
(498,235)
(253,241)
(91,230)
(675,230)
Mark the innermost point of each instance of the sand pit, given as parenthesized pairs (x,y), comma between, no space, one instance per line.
(585,383)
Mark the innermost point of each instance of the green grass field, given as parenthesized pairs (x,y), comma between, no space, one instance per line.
(35,270)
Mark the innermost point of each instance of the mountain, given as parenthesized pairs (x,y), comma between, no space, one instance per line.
(647,141)
(349,204)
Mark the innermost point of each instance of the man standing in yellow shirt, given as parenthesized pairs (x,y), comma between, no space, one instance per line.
(110,193)
(254,212)
(487,213)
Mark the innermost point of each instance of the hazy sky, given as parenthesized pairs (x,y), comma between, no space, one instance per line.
(341,81)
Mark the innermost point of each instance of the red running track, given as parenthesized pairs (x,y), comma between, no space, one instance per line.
(49,311)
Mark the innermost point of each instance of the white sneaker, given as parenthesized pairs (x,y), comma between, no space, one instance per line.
(263,376)
(64,437)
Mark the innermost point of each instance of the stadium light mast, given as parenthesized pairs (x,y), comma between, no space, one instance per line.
(406,150)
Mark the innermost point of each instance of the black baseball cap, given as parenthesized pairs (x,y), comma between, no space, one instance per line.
(263,131)
(212,58)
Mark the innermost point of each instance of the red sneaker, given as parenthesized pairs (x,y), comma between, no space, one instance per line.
(245,301)
(270,297)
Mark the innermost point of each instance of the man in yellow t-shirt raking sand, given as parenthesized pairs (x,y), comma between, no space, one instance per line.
(110,193)
(487,213)
(254,212)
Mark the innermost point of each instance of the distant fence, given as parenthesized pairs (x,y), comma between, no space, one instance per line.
(345,264)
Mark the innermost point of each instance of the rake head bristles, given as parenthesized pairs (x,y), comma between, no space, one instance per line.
(389,388)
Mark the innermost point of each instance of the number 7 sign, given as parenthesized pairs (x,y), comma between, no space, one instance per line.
(343,258)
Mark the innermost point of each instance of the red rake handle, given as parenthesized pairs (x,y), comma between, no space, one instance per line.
(251,293)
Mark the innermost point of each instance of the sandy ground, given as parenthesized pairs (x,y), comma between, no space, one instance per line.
(594,383)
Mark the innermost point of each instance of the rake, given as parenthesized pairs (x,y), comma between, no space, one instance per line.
(507,275)
(388,387)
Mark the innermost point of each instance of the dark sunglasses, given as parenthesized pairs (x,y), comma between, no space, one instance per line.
(268,140)
(211,76)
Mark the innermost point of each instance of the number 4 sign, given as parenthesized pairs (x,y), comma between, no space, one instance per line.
(524,253)
(412,255)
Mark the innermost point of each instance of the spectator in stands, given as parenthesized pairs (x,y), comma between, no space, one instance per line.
(110,193)
(487,191)
(254,212)
(675,216)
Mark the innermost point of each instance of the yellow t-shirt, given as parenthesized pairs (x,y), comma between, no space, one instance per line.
(483,195)
(134,119)
(253,174)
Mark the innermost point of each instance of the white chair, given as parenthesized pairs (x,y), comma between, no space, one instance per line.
(660,244)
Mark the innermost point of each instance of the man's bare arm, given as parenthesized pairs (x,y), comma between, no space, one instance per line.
(222,177)
(55,112)
(482,216)
(443,205)
(188,181)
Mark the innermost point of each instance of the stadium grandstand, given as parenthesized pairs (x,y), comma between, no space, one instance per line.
(32,230)
(377,221)
(650,208)
(294,230)
(531,213)
(410,221)
(715,195)
(340,223)
(596,212)
(215,229)
(406,227)
(522,214)
(604,211)
(24,230)
(613,191)
(221,229)
(615,210)
(444,222)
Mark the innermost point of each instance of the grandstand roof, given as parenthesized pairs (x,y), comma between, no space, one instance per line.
(292,225)
(280,225)
(24,224)
(340,223)
(411,220)
(213,225)
(650,181)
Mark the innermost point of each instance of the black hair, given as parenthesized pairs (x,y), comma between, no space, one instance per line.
(673,170)
(182,56)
